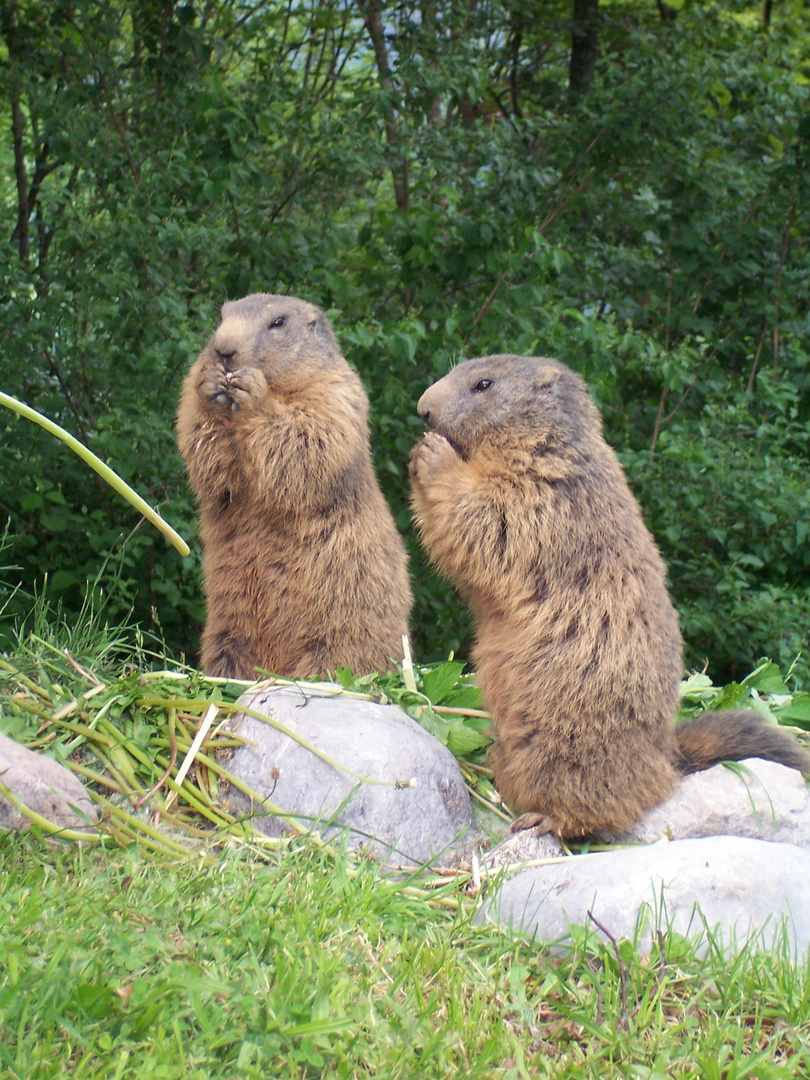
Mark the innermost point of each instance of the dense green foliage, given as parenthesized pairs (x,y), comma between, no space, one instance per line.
(317,968)
(420,171)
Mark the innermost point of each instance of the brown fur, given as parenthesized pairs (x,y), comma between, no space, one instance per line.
(520,501)
(304,569)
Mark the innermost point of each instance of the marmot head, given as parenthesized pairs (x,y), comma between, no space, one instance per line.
(275,333)
(526,402)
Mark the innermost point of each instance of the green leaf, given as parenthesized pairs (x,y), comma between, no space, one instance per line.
(431,721)
(767,679)
(344,676)
(464,697)
(463,740)
(62,579)
(94,1000)
(697,688)
(438,683)
(731,696)
(798,711)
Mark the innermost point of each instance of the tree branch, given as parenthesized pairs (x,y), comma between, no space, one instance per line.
(399,173)
(119,127)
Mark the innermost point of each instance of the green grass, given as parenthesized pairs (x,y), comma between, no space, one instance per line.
(159,952)
(113,965)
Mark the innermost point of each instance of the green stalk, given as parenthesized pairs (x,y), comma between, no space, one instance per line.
(188,705)
(490,806)
(92,775)
(104,471)
(48,827)
(141,828)
(32,686)
(190,794)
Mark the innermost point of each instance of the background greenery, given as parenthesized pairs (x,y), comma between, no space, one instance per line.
(428,173)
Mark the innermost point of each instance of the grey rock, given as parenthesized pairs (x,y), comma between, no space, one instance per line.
(44,786)
(421,813)
(733,891)
(768,801)
(763,800)
(521,847)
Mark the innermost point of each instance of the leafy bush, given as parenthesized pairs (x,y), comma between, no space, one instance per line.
(451,203)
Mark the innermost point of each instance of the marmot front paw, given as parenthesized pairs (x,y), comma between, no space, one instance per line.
(432,455)
(233,389)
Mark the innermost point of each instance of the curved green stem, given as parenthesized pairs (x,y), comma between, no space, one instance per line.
(104,471)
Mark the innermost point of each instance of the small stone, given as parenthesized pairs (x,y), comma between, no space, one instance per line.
(422,811)
(521,847)
(44,786)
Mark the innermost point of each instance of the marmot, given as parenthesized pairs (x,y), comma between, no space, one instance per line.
(304,568)
(520,501)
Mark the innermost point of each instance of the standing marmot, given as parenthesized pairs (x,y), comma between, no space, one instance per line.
(304,568)
(519,499)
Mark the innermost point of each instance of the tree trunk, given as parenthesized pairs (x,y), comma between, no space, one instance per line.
(584,46)
(21,229)
(8,15)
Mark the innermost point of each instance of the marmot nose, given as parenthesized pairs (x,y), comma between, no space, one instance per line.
(225,355)
(226,344)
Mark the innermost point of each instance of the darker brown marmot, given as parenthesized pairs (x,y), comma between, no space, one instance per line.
(304,568)
(519,499)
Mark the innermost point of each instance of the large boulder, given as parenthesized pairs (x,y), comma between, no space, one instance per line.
(753,798)
(391,787)
(737,865)
(733,890)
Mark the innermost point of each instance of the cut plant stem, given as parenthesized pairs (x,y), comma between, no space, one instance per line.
(104,471)
(462,712)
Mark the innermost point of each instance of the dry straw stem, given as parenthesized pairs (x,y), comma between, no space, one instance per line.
(199,738)
(408,676)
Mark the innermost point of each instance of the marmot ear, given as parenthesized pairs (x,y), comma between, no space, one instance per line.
(546,385)
(321,327)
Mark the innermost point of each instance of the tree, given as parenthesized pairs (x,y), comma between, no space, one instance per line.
(420,172)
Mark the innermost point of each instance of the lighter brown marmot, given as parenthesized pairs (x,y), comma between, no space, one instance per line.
(521,502)
(304,568)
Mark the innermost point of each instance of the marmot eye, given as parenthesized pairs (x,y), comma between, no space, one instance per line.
(278,321)
(481,385)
